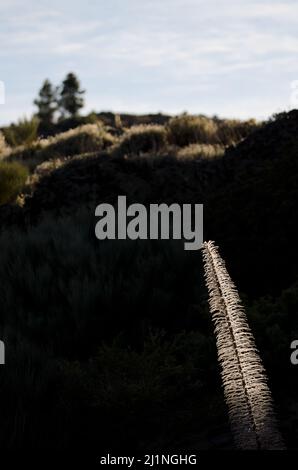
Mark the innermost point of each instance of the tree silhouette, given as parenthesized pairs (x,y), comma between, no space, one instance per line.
(46,103)
(71,100)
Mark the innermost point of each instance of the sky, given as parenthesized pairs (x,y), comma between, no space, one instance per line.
(231,58)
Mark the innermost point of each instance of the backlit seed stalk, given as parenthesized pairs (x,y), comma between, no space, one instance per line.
(244,378)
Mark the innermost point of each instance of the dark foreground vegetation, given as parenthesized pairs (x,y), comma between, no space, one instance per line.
(110,344)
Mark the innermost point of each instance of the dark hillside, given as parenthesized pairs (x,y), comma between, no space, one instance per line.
(121,331)
(250,196)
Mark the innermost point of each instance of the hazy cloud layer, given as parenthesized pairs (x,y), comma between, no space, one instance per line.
(230,57)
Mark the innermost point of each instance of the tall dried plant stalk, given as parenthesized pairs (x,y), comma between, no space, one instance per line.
(244,379)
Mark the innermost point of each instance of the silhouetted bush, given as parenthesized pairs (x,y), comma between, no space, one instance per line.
(233,131)
(130,120)
(152,391)
(22,133)
(66,124)
(142,139)
(81,140)
(73,310)
(42,170)
(13,177)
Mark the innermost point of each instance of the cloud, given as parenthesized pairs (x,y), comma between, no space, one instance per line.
(69,48)
(148,44)
(174,54)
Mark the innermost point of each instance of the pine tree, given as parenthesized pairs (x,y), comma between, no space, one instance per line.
(71,100)
(46,103)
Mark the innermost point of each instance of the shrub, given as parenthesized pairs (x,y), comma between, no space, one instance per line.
(193,151)
(83,139)
(12,179)
(142,139)
(131,391)
(233,131)
(22,133)
(3,145)
(67,124)
(118,121)
(45,168)
(74,291)
(29,155)
(185,129)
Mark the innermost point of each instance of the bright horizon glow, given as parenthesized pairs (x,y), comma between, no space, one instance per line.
(232,58)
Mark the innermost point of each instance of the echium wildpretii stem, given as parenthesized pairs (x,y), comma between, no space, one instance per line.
(247,394)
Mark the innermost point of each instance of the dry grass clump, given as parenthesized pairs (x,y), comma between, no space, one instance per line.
(142,139)
(185,130)
(194,151)
(83,139)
